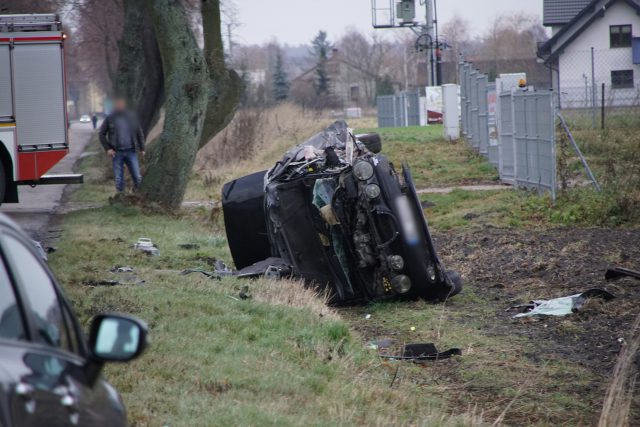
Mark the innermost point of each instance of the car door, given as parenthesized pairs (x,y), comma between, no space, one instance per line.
(50,387)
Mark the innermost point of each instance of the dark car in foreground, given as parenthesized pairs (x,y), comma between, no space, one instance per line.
(337,213)
(49,373)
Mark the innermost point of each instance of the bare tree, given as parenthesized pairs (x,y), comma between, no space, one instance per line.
(369,54)
(456,35)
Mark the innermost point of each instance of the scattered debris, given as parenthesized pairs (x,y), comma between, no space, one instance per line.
(244,293)
(147,246)
(615,273)
(270,268)
(123,269)
(189,246)
(94,283)
(415,352)
(427,204)
(560,306)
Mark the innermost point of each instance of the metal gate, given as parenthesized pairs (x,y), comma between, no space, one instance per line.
(534,137)
(507,164)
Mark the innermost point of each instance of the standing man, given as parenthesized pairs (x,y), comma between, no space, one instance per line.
(121,135)
(94,120)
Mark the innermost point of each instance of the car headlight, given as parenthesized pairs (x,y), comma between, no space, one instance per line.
(372,191)
(401,284)
(396,262)
(363,170)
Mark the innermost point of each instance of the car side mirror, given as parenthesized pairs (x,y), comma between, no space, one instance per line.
(117,338)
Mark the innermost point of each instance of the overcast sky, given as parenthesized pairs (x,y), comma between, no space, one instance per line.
(297,21)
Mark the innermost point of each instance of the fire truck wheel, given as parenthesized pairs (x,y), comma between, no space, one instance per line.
(3,183)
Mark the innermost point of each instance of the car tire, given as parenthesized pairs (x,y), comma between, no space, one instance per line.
(3,183)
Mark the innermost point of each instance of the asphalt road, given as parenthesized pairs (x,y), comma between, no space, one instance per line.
(39,203)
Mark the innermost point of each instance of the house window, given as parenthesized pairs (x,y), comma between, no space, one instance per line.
(622,79)
(620,35)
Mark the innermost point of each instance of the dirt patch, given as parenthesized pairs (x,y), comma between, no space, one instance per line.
(503,267)
(516,266)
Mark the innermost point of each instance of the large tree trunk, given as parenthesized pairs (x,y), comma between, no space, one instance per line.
(171,157)
(140,76)
(225,86)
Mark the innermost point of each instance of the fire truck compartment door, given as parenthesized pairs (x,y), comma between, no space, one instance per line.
(39,95)
(6,106)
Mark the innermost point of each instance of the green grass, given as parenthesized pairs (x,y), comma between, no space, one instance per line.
(279,358)
(215,360)
(435,162)
(282,357)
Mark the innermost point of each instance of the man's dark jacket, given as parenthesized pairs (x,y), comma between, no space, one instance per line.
(111,136)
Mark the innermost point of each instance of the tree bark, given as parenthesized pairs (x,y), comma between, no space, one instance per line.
(140,75)
(171,157)
(225,86)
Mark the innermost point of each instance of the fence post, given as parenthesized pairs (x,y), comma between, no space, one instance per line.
(602,108)
(593,89)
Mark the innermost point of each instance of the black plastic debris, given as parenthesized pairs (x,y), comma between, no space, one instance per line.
(615,273)
(415,352)
(189,246)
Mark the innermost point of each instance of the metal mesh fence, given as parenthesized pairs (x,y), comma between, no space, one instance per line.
(597,88)
(514,129)
(399,110)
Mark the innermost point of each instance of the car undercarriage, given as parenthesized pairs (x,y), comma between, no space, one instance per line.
(336,211)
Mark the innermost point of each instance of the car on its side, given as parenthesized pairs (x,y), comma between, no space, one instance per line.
(335,211)
(50,375)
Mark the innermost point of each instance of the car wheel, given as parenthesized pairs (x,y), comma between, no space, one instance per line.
(3,183)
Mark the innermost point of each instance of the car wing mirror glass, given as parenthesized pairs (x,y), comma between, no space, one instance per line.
(117,338)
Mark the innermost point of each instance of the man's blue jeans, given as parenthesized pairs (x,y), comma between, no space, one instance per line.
(130,158)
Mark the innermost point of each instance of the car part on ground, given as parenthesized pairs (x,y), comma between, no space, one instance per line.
(270,268)
(560,306)
(147,246)
(340,216)
(389,349)
(617,272)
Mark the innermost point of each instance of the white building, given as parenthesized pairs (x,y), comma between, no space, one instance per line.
(594,42)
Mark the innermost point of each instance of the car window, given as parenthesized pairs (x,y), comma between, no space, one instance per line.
(11,326)
(38,290)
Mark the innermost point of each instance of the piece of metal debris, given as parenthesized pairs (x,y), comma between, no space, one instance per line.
(270,268)
(560,306)
(122,269)
(614,273)
(147,246)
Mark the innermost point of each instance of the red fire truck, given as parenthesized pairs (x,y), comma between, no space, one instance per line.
(33,114)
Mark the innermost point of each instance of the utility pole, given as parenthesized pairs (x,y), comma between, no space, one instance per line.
(429,29)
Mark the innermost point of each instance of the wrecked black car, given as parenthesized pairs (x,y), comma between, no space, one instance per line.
(335,212)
